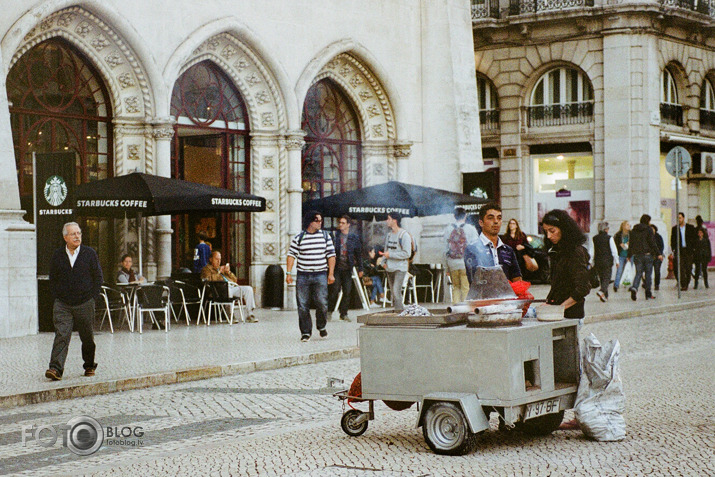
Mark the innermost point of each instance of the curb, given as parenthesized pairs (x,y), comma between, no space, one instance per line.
(648,310)
(173,377)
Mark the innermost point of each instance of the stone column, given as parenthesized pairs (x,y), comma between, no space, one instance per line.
(163,133)
(294,145)
(18,278)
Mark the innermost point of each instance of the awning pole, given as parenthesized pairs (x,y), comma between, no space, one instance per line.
(139,235)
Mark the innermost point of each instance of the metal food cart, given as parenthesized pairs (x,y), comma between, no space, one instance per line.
(458,374)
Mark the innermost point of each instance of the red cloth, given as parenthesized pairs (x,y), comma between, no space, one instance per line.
(521,289)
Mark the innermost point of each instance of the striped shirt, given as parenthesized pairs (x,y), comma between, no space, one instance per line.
(313,251)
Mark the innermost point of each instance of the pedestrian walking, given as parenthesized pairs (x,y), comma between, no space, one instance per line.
(603,256)
(398,251)
(569,263)
(348,249)
(703,255)
(657,263)
(682,243)
(621,243)
(457,236)
(642,250)
(314,253)
(75,280)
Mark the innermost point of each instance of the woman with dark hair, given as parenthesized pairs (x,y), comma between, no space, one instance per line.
(517,240)
(372,267)
(569,263)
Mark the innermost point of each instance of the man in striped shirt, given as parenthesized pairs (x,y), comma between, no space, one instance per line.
(314,251)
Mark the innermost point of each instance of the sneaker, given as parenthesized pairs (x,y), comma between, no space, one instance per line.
(344,318)
(90,371)
(374,305)
(304,338)
(251,319)
(649,296)
(53,374)
(601,296)
(634,292)
(323,333)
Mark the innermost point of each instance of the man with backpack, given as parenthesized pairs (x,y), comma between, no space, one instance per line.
(458,236)
(489,250)
(399,250)
(314,251)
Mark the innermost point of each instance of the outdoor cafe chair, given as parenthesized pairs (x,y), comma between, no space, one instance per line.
(150,299)
(407,289)
(189,295)
(114,300)
(219,299)
(424,279)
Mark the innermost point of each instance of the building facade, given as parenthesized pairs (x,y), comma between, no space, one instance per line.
(581,100)
(280,98)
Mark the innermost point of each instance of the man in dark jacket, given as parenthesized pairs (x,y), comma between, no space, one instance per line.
(682,242)
(657,262)
(603,259)
(75,280)
(348,251)
(642,249)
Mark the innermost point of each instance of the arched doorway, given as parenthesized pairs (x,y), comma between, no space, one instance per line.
(211,146)
(60,105)
(332,156)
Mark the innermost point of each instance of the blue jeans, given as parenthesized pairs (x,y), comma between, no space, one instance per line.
(644,264)
(619,271)
(311,286)
(376,288)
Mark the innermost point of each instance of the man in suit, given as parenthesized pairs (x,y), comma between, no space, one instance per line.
(683,238)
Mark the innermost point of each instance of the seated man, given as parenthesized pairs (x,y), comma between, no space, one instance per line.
(126,274)
(216,272)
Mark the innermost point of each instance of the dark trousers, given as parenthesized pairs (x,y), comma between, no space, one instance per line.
(344,282)
(686,267)
(604,275)
(701,267)
(656,272)
(644,265)
(311,286)
(64,317)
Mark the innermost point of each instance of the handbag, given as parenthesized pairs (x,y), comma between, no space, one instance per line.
(530,263)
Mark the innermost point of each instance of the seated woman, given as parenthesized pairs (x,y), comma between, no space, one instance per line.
(126,274)
(371,269)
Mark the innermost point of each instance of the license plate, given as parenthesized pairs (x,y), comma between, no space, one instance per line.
(549,406)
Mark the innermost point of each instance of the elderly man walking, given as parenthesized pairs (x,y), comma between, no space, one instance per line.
(75,280)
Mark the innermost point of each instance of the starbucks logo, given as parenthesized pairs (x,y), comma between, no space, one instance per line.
(55,190)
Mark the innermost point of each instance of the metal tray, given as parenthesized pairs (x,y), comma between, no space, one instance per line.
(440,317)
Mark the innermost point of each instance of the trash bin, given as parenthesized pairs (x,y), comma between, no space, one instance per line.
(45,303)
(273,287)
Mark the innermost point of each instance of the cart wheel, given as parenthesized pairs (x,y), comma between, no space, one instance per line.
(351,427)
(446,430)
(542,425)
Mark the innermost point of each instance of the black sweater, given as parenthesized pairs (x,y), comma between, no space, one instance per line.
(569,279)
(75,285)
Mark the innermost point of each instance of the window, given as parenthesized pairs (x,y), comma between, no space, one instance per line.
(332,160)
(488,103)
(669,91)
(707,106)
(561,96)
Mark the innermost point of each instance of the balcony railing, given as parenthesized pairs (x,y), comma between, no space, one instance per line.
(700,6)
(707,119)
(518,7)
(560,114)
(671,114)
(489,120)
(485,9)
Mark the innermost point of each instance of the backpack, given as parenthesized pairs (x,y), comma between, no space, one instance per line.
(457,242)
(414,245)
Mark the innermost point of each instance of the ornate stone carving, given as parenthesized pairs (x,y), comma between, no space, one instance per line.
(131,104)
(270,205)
(269,249)
(65,19)
(30,34)
(228,51)
(344,70)
(268,226)
(377,130)
(125,80)
(241,64)
(365,95)
(268,183)
(114,59)
(212,44)
(373,110)
(47,24)
(293,143)
(402,150)
(83,29)
(99,42)
(378,170)
(262,97)
(267,119)
(253,79)
(269,162)
(133,153)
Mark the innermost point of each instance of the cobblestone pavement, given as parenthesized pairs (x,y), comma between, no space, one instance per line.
(285,422)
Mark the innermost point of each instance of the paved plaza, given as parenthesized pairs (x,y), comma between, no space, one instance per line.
(286,422)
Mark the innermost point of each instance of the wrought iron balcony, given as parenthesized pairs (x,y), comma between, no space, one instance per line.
(560,114)
(489,120)
(519,7)
(671,114)
(707,119)
(485,9)
(700,6)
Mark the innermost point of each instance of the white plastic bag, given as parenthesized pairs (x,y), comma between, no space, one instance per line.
(600,401)
(629,273)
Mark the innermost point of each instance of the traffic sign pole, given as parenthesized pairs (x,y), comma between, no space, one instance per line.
(677,163)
